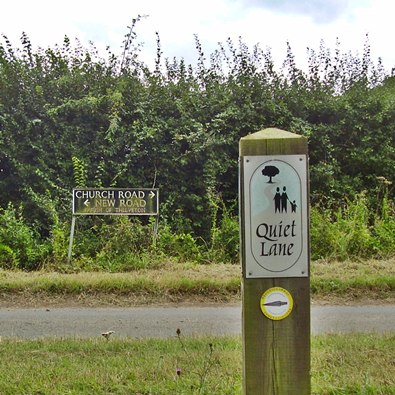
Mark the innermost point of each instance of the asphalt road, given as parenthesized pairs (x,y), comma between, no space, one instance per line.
(162,322)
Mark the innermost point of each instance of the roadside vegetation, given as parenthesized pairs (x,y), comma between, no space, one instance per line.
(119,261)
(121,244)
(70,117)
(341,365)
(331,281)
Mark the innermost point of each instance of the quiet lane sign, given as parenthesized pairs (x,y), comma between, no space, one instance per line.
(121,201)
(276,216)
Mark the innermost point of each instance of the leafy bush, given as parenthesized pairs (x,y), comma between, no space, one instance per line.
(383,237)
(124,235)
(23,245)
(55,244)
(123,244)
(384,224)
(182,246)
(8,259)
(69,118)
(224,241)
(353,230)
(221,246)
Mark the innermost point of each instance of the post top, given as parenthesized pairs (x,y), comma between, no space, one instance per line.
(271,133)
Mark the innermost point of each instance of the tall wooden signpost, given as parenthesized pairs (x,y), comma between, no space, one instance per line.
(274,214)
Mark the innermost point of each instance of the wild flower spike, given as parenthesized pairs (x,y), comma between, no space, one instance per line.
(178,331)
(178,371)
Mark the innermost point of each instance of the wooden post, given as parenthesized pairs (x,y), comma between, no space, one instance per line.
(275,263)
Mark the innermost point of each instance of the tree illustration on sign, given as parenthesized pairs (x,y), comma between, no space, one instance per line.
(270,171)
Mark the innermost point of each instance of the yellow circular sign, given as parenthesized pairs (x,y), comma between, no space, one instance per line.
(276,303)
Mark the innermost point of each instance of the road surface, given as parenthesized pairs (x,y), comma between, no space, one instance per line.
(162,322)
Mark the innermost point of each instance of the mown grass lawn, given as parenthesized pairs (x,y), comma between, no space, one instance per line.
(341,364)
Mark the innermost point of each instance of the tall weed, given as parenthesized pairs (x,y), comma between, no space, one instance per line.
(182,246)
(8,258)
(128,244)
(384,223)
(224,235)
(21,247)
(353,230)
(57,241)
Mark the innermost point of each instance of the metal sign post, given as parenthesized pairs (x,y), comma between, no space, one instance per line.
(71,239)
(274,214)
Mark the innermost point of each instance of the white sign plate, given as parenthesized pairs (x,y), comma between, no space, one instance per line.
(276,206)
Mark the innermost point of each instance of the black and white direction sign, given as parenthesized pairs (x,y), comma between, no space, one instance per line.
(276,206)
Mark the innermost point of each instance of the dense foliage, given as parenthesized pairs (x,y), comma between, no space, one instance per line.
(69,117)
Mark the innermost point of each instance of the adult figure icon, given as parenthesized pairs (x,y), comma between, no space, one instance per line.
(277,201)
(284,200)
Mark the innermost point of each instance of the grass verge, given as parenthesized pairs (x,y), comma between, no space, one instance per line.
(341,364)
(175,282)
(354,280)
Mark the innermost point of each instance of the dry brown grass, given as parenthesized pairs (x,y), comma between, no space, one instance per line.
(332,282)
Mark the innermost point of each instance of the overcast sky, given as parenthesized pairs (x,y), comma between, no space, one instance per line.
(271,23)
